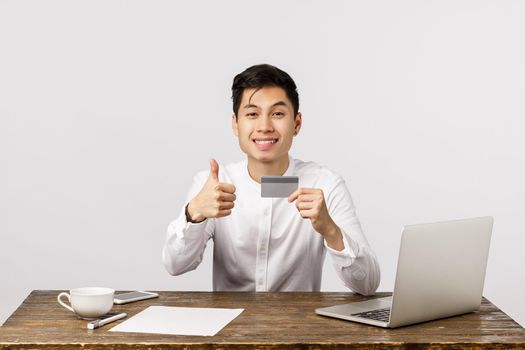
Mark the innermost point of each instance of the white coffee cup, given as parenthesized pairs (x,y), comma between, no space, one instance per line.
(88,303)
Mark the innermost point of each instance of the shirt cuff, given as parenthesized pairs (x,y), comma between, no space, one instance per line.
(345,257)
(193,228)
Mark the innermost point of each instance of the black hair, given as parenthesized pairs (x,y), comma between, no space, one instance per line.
(263,75)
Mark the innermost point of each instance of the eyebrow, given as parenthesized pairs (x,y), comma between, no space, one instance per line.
(279,103)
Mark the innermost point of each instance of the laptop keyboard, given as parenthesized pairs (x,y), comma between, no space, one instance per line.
(382,315)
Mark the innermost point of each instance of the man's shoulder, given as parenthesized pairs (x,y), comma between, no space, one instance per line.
(315,171)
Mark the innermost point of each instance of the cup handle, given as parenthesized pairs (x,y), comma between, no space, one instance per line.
(64,294)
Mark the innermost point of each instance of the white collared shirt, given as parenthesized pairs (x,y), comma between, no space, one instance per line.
(265,244)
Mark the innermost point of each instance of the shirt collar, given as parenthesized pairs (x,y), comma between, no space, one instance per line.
(289,172)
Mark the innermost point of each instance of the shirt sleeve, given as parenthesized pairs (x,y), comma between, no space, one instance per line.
(185,241)
(356,264)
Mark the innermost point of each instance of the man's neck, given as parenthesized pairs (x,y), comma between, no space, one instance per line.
(258,169)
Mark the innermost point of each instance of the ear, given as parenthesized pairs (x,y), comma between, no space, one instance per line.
(235,127)
(298,123)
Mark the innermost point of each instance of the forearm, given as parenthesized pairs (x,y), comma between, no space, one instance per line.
(334,237)
(184,246)
(360,272)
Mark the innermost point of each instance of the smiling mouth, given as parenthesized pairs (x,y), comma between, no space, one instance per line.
(265,142)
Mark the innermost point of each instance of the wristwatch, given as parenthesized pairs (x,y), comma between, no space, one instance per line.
(188,216)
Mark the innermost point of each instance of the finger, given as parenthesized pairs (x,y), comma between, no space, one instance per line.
(214,170)
(304,205)
(307,213)
(307,190)
(302,190)
(307,197)
(226,205)
(294,195)
(225,187)
(227,197)
(223,213)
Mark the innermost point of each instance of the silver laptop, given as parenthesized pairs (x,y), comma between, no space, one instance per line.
(440,273)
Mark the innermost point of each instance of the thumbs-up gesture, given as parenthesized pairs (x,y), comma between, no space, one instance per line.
(215,199)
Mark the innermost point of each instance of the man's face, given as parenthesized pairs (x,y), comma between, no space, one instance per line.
(265,124)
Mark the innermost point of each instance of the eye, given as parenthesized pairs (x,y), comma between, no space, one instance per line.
(279,114)
(251,115)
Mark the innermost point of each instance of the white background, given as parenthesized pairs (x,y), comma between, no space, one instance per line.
(108,108)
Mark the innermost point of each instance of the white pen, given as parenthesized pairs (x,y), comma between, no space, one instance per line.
(101,322)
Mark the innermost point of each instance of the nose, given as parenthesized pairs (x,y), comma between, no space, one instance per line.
(265,124)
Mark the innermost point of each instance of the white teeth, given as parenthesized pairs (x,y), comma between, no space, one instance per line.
(265,142)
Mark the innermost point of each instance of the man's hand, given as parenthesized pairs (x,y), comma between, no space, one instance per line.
(215,199)
(311,205)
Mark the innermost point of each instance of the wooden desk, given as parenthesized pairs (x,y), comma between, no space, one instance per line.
(270,320)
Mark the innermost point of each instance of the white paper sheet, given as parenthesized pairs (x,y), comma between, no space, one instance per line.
(178,320)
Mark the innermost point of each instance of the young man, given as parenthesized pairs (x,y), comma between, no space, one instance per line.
(269,244)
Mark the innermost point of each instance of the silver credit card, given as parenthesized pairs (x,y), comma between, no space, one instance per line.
(278,186)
